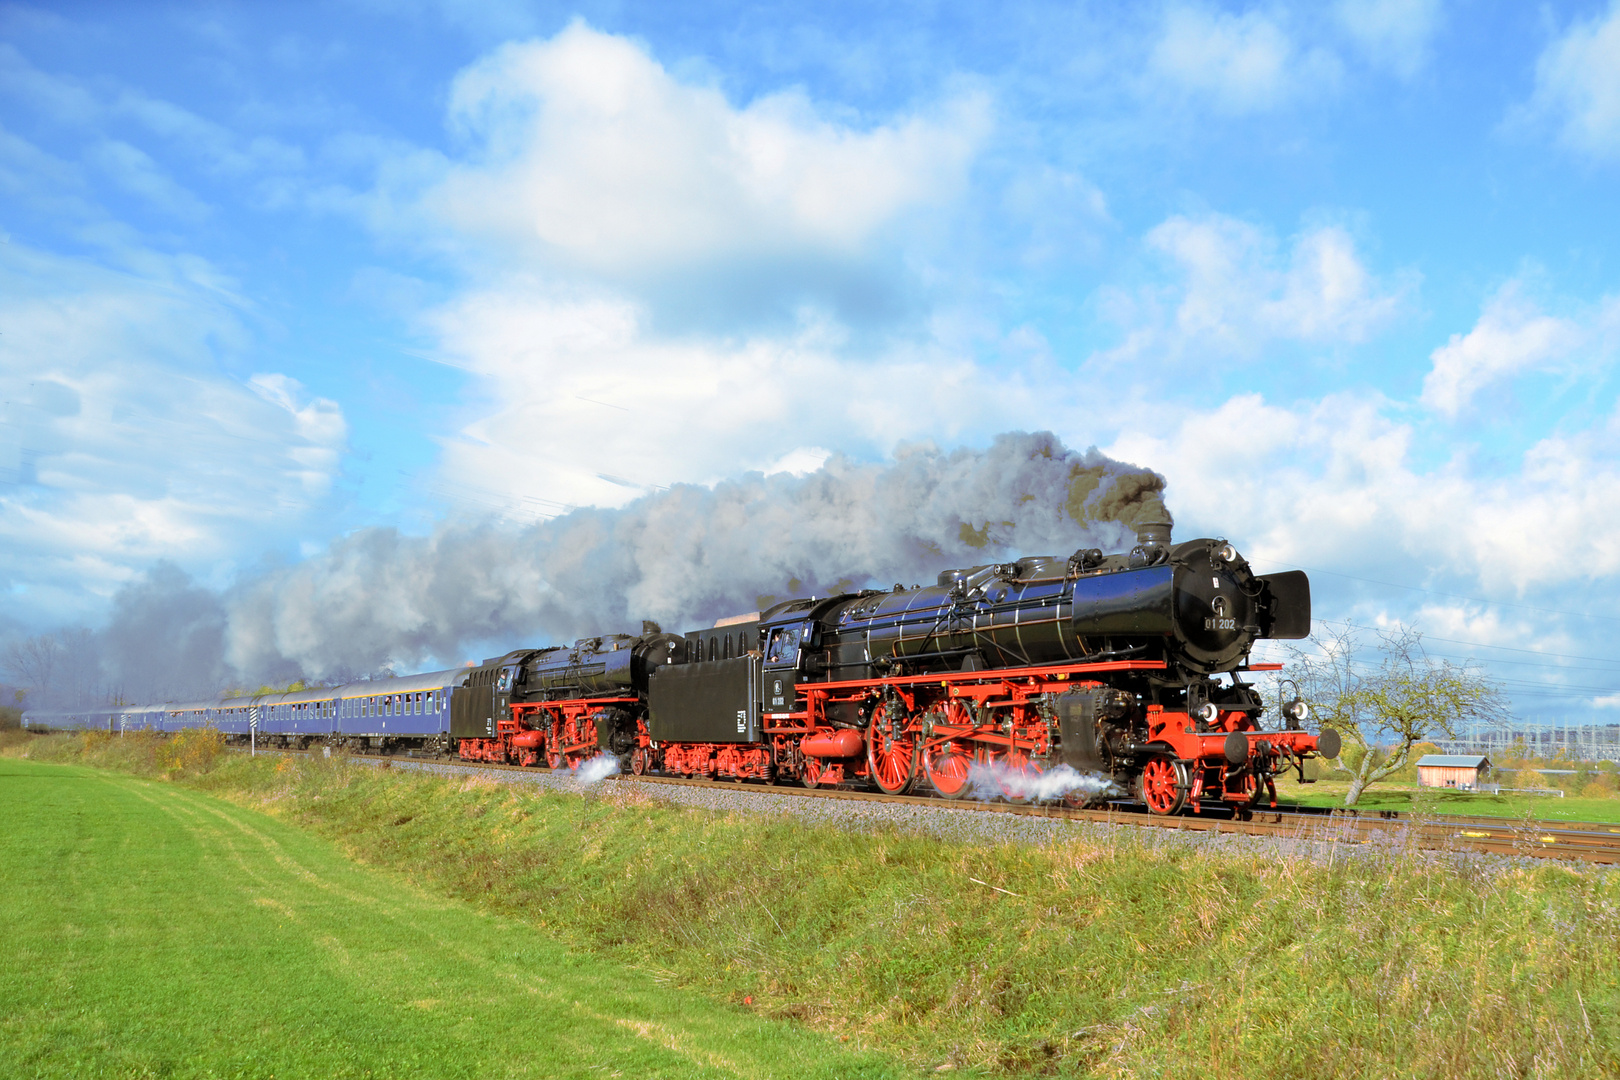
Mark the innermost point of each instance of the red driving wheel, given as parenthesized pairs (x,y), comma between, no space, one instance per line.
(892,758)
(1164,785)
(947,767)
(1016,777)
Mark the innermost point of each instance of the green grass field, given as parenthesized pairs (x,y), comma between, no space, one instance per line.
(1117,953)
(1409,798)
(155,931)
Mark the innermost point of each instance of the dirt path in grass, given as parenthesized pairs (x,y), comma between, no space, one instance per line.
(153,930)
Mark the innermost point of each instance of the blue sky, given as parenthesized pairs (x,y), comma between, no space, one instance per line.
(1348,275)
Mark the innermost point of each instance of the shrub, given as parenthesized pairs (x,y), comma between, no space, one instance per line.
(1597,789)
(1529,778)
(191,750)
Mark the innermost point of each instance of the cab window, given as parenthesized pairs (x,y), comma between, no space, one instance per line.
(784,646)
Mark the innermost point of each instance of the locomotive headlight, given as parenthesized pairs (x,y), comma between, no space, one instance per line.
(1226,553)
(1207,712)
(1295,713)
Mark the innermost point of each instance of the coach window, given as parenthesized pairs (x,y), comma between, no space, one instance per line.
(726,651)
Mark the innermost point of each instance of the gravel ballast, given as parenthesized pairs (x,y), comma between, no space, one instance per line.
(946,822)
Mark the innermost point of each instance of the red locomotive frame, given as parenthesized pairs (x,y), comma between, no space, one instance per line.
(939,726)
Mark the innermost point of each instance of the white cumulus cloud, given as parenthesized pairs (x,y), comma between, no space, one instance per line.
(664,285)
(1238,63)
(1240,289)
(1512,336)
(1392,33)
(122,441)
(585,151)
(581,405)
(1578,85)
(1335,483)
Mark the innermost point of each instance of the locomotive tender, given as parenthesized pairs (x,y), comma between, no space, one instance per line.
(1084,677)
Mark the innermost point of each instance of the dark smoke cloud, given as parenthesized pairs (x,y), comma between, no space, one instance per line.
(378,599)
(685,556)
(166,639)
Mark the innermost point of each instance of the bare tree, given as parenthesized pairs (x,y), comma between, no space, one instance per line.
(1383,698)
(33,662)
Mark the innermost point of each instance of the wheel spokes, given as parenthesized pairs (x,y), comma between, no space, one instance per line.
(891,758)
(947,767)
(1162,786)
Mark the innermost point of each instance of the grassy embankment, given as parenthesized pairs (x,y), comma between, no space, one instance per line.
(1114,954)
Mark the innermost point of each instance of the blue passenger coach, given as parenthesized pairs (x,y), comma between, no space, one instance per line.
(413,711)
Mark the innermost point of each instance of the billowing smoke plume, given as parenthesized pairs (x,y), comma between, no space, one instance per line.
(683,557)
(378,599)
(166,639)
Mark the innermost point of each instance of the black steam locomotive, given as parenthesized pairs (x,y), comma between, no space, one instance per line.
(1046,677)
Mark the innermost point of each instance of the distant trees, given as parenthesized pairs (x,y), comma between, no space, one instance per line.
(1383,694)
(33,662)
(62,669)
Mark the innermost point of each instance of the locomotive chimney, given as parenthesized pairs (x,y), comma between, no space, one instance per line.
(1153,530)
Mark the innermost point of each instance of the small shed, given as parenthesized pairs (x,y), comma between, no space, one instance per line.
(1464,772)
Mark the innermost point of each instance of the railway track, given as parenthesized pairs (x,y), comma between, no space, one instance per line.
(1590,842)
